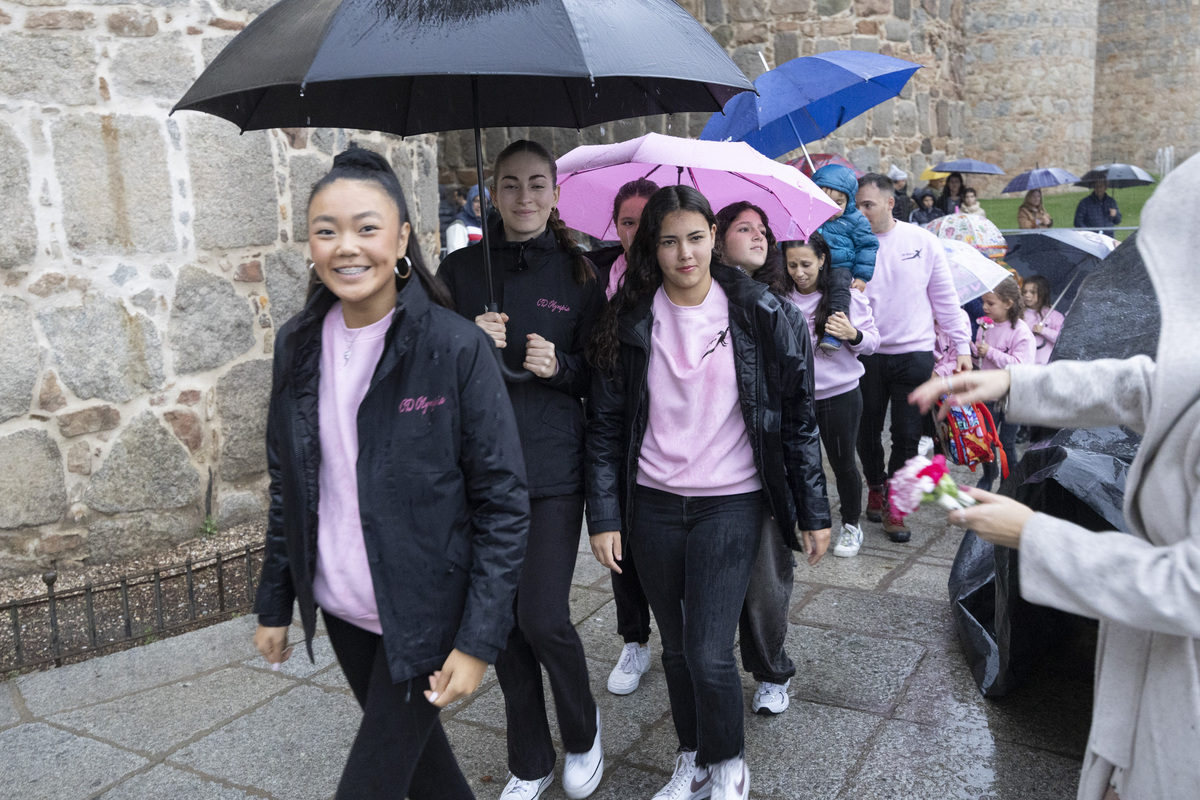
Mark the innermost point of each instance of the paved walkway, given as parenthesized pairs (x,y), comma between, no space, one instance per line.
(882,707)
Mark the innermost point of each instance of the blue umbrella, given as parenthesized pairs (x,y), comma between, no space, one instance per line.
(807,98)
(969,165)
(1040,179)
(1118,176)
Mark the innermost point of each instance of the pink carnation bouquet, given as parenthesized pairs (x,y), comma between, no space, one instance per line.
(985,322)
(922,479)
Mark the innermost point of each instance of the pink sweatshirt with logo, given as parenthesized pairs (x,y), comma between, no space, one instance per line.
(1052,322)
(912,285)
(696,443)
(1008,344)
(342,584)
(837,372)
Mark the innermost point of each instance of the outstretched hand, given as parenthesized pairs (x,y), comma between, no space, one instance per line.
(964,389)
(997,519)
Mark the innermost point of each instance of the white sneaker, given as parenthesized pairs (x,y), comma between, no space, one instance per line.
(771,698)
(626,676)
(518,789)
(689,781)
(730,780)
(849,542)
(925,446)
(582,771)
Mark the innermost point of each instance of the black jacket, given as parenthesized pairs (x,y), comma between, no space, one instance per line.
(535,286)
(775,383)
(904,207)
(444,508)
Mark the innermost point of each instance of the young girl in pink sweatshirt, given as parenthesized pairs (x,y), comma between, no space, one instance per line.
(1040,316)
(1001,344)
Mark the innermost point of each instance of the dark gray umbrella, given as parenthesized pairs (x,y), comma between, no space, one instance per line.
(420,66)
(1118,176)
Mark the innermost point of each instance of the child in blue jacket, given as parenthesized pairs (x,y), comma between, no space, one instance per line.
(850,240)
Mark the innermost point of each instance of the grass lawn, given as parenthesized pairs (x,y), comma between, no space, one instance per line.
(1061,207)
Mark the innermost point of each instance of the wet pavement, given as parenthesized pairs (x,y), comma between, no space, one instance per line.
(882,706)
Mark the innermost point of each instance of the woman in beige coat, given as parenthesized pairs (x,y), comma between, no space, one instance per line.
(1144,585)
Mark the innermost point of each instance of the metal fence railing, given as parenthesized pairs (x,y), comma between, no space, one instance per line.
(72,625)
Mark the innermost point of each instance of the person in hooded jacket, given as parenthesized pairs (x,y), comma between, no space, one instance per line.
(467,227)
(397,499)
(701,418)
(551,297)
(904,203)
(927,209)
(1142,584)
(852,245)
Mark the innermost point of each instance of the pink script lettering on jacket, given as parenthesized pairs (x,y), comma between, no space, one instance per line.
(423,404)
(553,306)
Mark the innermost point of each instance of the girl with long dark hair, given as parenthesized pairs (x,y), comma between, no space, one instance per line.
(398,504)
(836,374)
(551,297)
(701,417)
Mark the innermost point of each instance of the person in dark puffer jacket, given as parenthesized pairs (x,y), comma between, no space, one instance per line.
(850,241)
(550,297)
(397,494)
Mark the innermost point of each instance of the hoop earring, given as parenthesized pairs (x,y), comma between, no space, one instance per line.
(396,269)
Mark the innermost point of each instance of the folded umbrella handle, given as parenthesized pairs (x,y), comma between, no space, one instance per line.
(510,375)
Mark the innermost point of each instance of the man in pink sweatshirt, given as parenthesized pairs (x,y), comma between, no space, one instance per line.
(911,287)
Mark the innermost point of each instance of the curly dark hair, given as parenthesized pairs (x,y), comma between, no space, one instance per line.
(643,276)
(820,247)
(773,272)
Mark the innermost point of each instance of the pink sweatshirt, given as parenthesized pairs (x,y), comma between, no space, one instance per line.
(342,584)
(945,359)
(912,285)
(1052,322)
(615,273)
(837,372)
(1008,344)
(696,443)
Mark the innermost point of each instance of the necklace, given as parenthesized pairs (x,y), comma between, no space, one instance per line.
(350,341)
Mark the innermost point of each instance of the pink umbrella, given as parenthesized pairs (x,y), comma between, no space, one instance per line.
(724,172)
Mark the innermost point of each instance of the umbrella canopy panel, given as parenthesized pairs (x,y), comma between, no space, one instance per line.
(1118,176)
(408,66)
(969,165)
(1040,179)
(1063,257)
(724,172)
(974,273)
(808,98)
(979,232)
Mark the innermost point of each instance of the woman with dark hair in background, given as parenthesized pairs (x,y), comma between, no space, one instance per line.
(952,194)
(401,471)
(633,610)
(551,297)
(701,417)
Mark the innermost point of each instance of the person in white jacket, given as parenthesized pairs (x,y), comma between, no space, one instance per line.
(1144,585)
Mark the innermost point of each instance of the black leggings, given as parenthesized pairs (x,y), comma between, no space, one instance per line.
(838,419)
(401,749)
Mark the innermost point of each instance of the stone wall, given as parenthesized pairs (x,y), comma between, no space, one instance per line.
(146,263)
(922,126)
(1030,76)
(1147,80)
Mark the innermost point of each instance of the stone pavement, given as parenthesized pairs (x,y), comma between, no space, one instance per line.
(883,706)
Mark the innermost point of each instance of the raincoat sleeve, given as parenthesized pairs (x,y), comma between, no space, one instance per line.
(866,247)
(1082,394)
(574,374)
(798,426)
(275,596)
(605,452)
(497,496)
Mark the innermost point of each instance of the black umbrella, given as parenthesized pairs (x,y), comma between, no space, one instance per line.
(1118,176)
(420,66)
(1063,256)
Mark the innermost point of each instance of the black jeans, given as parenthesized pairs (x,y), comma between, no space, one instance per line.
(888,380)
(1008,440)
(545,637)
(764,621)
(401,749)
(633,610)
(695,555)
(840,279)
(838,418)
